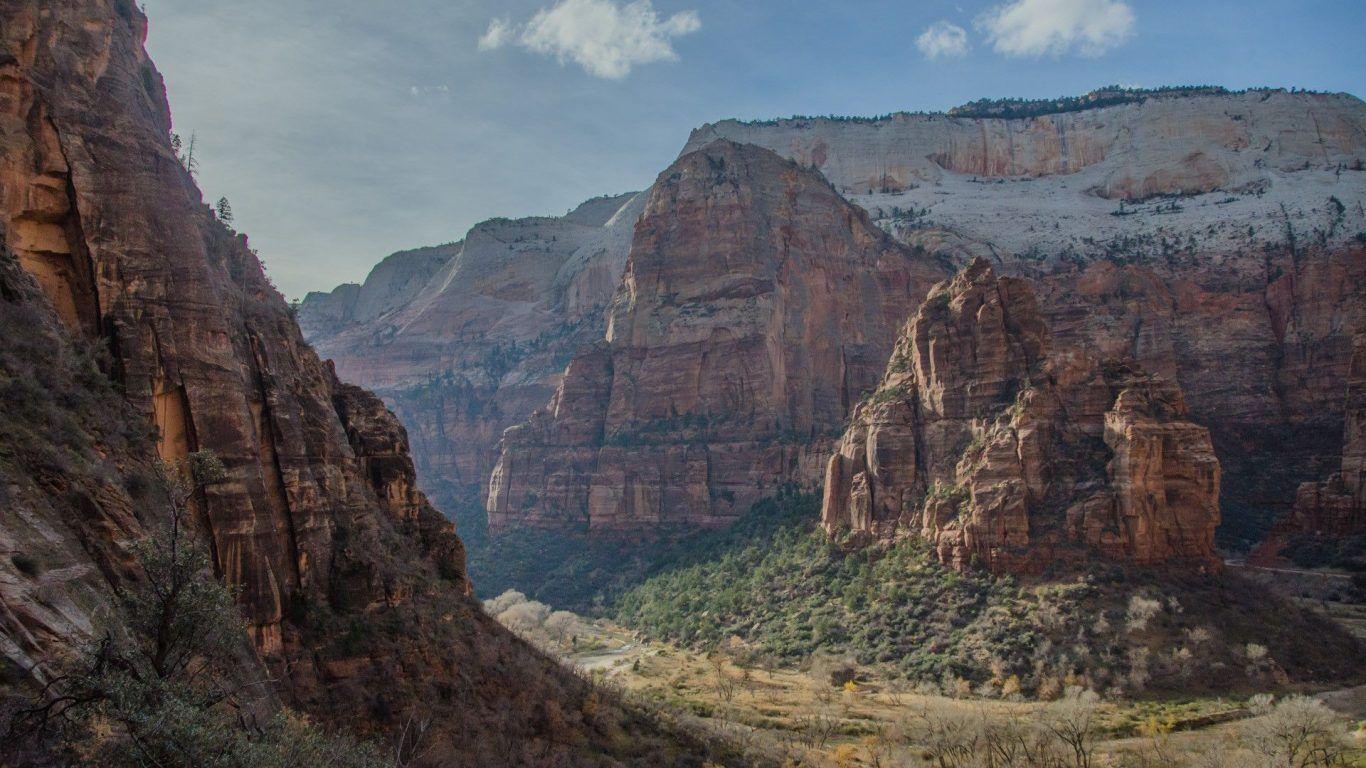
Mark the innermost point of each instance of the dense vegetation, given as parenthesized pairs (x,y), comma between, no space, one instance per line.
(782,588)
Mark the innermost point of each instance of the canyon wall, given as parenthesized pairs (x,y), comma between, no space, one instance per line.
(1213,239)
(1336,505)
(1005,452)
(141,328)
(466,340)
(756,307)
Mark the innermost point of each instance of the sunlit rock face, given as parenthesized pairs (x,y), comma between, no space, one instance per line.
(1209,238)
(1006,452)
(756,306)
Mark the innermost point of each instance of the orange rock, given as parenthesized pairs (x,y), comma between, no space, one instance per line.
(1002,452)
(757,305)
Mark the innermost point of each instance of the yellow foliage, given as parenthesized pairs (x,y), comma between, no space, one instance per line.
(1011,686)
(845,755)
(850,687)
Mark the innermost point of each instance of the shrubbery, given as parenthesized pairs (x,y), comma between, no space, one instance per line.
(780,585)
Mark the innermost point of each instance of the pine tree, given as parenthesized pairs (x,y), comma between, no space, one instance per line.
(224,210)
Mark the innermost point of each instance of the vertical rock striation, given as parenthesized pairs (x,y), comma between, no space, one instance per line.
(466,340)
(756,307)
(352,586)
(1005,452)
(1336,506)
(1210,236)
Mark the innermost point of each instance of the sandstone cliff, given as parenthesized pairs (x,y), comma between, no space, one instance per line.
(756,307)
(352,585)
(1336,506)
(464,341)
(1242,280)
(1003,451)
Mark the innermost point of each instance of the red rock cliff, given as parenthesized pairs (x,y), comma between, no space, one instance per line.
(1335,506)
(757,306)
(352,585)
(1003,452)
(1232,267)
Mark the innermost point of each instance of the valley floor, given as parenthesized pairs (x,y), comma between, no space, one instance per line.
(803,717)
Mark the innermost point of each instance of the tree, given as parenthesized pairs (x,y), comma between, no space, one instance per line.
(1073,721)
(184,153)
(224,210)
(1298,732)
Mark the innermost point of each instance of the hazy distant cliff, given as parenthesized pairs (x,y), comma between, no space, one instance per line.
(480,331)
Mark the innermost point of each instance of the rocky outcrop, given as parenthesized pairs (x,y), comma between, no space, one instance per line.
(464,341)
(351,585)
(1244,287)
(1005,452)
(756,307)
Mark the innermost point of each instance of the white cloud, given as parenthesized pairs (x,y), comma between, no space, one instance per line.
(605,37)
(500,31)
(1040,27)
(943,39)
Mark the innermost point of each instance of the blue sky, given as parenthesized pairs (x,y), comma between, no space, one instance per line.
(342,130)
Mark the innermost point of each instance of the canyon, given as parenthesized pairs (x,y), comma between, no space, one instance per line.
(1207,237)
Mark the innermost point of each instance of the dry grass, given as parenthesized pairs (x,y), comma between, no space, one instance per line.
(800,715)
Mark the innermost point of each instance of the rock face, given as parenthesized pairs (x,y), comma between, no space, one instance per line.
(1179,144)
(463,341)
(1243,286)
(756,306)
(393,283)
(1005,452)
(352,585)
(1337,505)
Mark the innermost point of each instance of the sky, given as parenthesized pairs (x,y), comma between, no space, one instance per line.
(344,130)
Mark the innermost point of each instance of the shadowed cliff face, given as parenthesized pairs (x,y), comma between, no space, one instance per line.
(1005,453)
(353,587)
(757,305)
(1335,506)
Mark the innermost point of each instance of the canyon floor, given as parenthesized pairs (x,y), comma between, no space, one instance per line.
(829,711)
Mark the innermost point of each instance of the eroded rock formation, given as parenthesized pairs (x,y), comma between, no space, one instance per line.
(1243,280)
(756,307)
(1003,451)
(352,585)
(465,340)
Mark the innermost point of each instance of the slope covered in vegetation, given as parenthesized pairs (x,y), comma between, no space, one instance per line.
(782,588)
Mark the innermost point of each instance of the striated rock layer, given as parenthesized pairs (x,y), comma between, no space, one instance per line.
(466,340)
(1335,506)
(1003,451)
(756,307)
(1210,237)
(352,586)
